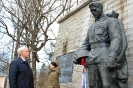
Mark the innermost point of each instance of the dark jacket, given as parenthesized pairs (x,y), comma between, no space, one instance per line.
(53,78)
(20,74)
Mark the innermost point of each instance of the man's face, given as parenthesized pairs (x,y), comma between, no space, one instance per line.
(51,66)
(96,12)
(25,53)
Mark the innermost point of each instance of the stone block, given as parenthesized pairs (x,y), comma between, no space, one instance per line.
(76,74)
(108,3)
(130,24)
(66,85)
(130,11)
(128,6)
(108,10)
(120,6)
(77,85)
(78,79)
(130,72)
(125,27)
(127,19)
(130,44)
(129,1)
(130,37)
(130,57)
(131,50)
(78,68)
(130,65)
(102,0)
(130,82)
(129,31)
(117,4)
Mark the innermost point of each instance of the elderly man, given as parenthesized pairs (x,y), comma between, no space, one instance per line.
(20,73)
(106,43)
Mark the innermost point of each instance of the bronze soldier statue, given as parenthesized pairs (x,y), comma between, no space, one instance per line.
(105,43)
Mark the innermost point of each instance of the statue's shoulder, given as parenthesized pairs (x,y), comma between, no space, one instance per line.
(114,21)
(113,17)
(113,14)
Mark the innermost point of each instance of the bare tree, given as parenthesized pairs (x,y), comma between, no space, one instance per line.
(4,61)
(31,20)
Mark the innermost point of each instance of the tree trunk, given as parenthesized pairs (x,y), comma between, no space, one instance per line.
(16,53)
(34,67)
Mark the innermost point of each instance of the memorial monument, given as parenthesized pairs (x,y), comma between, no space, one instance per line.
(66,67)
(104,50)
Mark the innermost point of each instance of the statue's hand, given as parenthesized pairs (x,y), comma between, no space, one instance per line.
(112,62)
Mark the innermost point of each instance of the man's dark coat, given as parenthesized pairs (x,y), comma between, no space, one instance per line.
(20,74)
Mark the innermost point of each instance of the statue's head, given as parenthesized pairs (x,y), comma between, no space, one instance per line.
(96,8)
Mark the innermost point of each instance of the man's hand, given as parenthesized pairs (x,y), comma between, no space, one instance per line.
(112,62)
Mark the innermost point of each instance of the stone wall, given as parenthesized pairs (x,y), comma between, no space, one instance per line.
(74,26)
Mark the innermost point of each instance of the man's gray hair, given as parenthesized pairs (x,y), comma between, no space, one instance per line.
(96,4)
(21,49)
